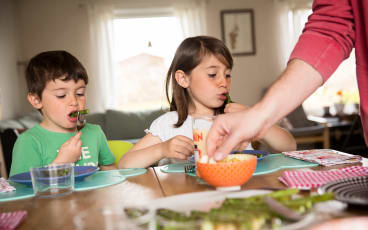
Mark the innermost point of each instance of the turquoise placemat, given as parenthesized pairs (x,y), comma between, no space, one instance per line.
(269,164)
(174,168)
(131,171)
(97,180)
(22,192)
(275,162)
(100,179)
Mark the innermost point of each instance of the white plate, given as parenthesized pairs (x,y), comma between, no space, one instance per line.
(204,201)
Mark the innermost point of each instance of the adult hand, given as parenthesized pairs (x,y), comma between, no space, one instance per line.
(70,151)
(232,108)
(228,130)
(180,147)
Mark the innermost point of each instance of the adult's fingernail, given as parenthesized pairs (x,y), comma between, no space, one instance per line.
(218,156)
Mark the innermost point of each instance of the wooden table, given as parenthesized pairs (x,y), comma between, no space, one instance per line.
(102,208)
(94,209)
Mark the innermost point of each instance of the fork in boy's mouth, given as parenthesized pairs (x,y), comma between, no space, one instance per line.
(73,116)
(75,113)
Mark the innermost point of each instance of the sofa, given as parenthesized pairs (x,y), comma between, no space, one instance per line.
(129,126)
(117,125)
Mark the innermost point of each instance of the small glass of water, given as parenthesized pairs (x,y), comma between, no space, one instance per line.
(53,180)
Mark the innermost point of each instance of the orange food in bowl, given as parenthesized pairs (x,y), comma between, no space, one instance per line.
(234,170)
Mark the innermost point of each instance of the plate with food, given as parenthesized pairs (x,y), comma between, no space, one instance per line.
(259,153)
(231,210)
(80,172)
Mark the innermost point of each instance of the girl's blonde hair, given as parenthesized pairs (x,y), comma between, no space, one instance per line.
(188,55)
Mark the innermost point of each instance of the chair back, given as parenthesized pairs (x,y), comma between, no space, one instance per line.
(298,118)
(119,148)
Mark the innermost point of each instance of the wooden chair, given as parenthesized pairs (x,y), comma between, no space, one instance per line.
(306,131)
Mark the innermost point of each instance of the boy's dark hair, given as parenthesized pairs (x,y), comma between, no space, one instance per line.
(188,55)
(52,65)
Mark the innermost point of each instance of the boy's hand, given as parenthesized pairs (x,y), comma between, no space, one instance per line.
(180,147)
(70,151)
(235,107)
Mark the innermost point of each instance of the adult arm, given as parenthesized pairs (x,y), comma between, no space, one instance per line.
(327,40)
(277,139)
(297,82)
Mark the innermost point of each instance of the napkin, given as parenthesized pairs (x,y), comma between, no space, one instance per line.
(325,157)
(5,186)
(10,220)
(314,179)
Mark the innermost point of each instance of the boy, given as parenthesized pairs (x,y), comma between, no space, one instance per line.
(56,83)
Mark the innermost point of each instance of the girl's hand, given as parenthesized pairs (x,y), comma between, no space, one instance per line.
(70,151)
(235,107)
(180,147)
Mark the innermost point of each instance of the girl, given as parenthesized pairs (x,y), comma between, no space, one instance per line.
(200,77)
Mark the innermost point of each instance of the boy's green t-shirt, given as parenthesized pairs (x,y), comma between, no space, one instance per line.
(39,147)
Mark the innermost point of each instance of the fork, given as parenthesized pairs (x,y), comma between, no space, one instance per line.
(81,120)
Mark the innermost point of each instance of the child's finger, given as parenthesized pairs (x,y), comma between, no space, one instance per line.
(79,144)
(76,138)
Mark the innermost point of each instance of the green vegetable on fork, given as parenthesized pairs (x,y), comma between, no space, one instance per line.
(75,114)
(228,99)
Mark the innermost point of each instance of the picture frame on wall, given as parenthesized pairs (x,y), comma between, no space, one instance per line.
(237,27)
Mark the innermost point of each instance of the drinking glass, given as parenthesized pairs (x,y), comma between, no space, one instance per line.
(201,126)
(53,180)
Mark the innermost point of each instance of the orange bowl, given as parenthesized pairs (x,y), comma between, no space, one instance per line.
(229,173)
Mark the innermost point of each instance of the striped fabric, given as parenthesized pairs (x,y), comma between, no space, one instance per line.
(10,220)
(5,186)
(313,179)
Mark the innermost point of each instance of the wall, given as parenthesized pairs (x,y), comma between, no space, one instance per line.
(251,74)
(11,82)
(54,25)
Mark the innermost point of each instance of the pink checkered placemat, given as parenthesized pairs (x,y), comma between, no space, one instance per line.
(10,220)
(5,186)
(314,179)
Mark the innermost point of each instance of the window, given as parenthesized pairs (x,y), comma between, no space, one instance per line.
(143,48)
(343,80)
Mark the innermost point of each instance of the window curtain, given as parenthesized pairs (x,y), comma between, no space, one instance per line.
(192,17)
(100,16)
(190,13)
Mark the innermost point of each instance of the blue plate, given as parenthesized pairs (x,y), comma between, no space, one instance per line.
(259,153)
(80,172)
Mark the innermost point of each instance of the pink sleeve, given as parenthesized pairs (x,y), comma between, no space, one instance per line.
(328,36)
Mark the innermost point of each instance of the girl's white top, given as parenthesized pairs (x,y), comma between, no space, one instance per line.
(163,128)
